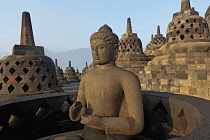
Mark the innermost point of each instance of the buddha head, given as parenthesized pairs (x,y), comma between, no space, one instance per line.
(104,46)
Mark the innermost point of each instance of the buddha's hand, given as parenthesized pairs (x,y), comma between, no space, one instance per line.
(76,110)
(93,121)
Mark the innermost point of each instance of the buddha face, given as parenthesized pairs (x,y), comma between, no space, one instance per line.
(102,53)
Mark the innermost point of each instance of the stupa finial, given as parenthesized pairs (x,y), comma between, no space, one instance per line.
(69,63)
(27,37)
(185,5)
(158,29)
(86,64)
(129,27)
(56,62)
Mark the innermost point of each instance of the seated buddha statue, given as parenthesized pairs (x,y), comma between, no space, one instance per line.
(109,101)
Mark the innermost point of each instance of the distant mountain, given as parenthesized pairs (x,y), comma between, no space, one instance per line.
(2,54)
(78,57)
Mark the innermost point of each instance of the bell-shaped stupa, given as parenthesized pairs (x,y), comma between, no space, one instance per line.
(70,74)
(156,43)
(130,54)
(182,65)
(27,71)
(59,73)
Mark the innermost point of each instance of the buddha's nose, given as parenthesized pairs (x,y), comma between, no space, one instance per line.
(96,51)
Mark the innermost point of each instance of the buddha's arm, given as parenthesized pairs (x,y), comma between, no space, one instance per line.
(130,125)
(78,108)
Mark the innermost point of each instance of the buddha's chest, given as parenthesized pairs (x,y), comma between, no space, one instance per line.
(103,87)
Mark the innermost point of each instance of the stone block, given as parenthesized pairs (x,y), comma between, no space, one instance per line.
(201,66)
(192,90)
(181,75)
(164,81)
(155,87)
(178,82)
(187,83)
(165,88)
(184,90)
(180,61)
(196,83)
(207,60)
(192,66)
(201,76)
(174,89)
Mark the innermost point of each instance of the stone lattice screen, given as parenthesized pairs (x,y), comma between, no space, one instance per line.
(24,76)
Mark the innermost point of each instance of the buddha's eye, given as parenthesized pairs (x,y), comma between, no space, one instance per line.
(101,47)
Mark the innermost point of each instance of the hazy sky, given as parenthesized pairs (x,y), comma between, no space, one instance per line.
(61,25)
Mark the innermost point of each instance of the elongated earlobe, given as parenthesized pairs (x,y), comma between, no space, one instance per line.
(116,48)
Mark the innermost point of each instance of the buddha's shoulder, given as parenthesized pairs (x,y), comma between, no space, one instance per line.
(125,73)
(115,71)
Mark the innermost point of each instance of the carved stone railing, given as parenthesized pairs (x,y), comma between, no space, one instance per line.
(167,116)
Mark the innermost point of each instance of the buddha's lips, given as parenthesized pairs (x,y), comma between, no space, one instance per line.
(96,58)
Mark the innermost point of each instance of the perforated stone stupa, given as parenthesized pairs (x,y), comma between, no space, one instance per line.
(156,43)
(207,16)
(85,69)
(27,71)
(182,65)
(130,54)
(59,73)
(70,74)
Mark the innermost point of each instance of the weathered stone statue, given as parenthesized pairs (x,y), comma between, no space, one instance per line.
(109,101)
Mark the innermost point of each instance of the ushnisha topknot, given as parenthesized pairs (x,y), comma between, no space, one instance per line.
(105,32)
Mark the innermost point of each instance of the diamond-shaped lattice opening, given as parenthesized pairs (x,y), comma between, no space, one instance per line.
(48,70)
(38,70)
(32,78)
(39,87)
(17,63)
(31,63)
(174,38)
(194,20)
(187,21)
(187,31)
(25,70)
(0,86)
(6,79)
(179,21)
(11,88)
(182,119)
(50,85)
(177,32)
(7,63)
(44,78)
(18,79)
(25,88)
(182,37)
(182,26)
(12,70)
(191,36)
(160,112)
(196,30)
(42,62)
(191,25)
(1,70)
